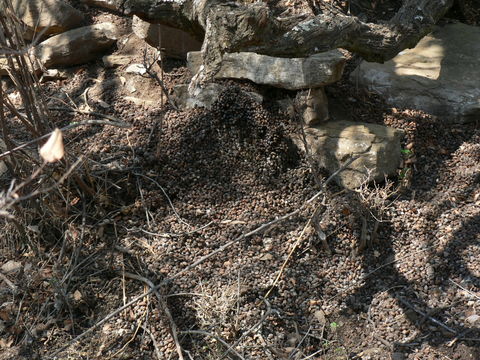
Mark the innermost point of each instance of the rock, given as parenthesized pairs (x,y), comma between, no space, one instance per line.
(141,101)
(54,74)
(204,97)
(472,319)
(136,89)
(335,142)
(11,267)
(47,17)
(76,46)
(440,75)
(4,67)
(287,73)
(174,42)
(194,61)
(111,61)
(106,4)
(138,69)
(313,106)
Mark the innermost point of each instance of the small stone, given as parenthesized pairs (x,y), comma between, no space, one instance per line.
(110,61)
(397,356)
(472,319)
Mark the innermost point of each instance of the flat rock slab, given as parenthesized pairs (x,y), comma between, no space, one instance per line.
(286,73)
(203,97)
(77,46)
(441,75)
(335,142)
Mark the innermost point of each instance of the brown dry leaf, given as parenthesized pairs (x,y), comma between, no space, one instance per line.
(53,149)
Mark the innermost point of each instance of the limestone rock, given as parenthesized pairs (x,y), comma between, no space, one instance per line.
(174,42)
(335,142)
(4,67)
(440,75)
(106,4)
(311,104)
(54,74)
(314,106)
(203,97)
(287,73)
(76,46)
(111,61)
(136,89)
(194,61)
(47,16)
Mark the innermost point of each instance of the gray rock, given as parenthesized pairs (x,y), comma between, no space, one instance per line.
(335,142)
(76,46)
(203,97)
(314,106)
(4,67)
(47,17)
(54,74)
(136,89)
(194,61)
(173,42)
(106,4)
(111,61)
(397,356)
(441,75)
(287,73)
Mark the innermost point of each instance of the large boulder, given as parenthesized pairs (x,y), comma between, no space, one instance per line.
(47,17)
(377,146)
(76,46)
(441,75)
(174,42)
(287,73)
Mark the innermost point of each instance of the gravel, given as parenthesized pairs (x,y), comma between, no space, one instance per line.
(178,185)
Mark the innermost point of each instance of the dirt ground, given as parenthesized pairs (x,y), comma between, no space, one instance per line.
(179,199)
